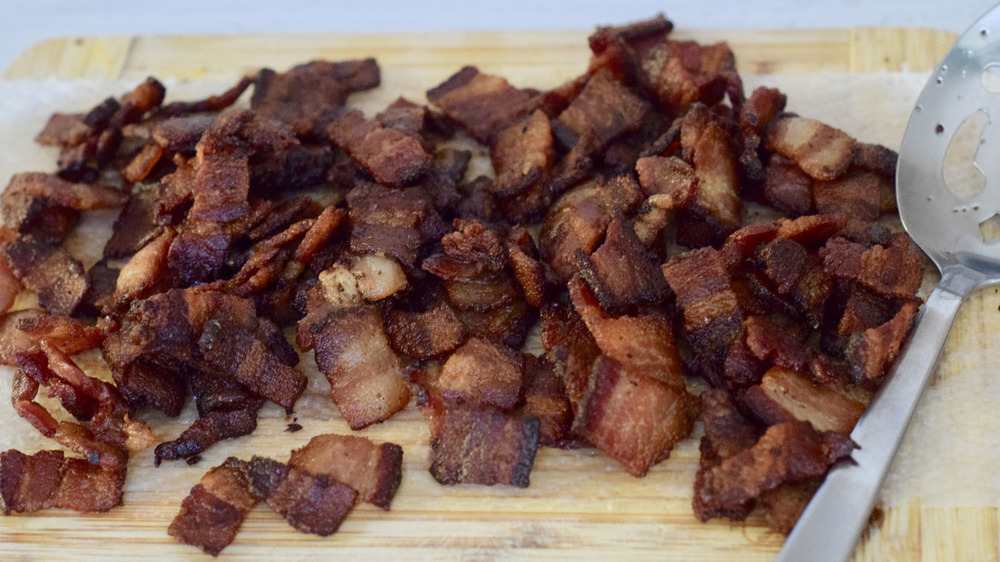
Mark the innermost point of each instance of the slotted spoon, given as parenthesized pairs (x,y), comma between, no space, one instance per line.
(949,226)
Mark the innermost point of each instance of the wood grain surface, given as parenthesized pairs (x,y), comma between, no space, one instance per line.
(580,505)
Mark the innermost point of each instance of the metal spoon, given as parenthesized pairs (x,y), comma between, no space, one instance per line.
(948,227)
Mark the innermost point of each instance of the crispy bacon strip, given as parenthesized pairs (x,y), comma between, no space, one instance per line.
(214,509)
(822,151)
(374,470)
(51,272)
(311,503)
(211,103)
(48,479)
(393,157)
(482,104)
(486,447)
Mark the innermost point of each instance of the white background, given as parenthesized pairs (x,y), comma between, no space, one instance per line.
(25,22)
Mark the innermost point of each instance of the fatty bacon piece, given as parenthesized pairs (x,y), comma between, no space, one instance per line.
(48,479)
(373,470)
(714,211)
(681,73)
(352,351)
(304,96)
(46,207)
(822,151)
(393,157)
(787,453)
(763,105)
(784,395)
(603,110)
(56,276)
(312,503)
(482,446)
(220,186)
(482,104)
(480,285)
(580,218)
(399,223)
(214,509)
(22,330)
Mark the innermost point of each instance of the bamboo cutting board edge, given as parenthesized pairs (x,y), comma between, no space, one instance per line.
(906,532)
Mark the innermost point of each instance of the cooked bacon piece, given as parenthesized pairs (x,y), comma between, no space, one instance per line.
(211,103)
(892,269)
(51,272)
(146,272)
(529,272)
(633,418)
(374,471)
(763,105)
(784,395)
(213,511)
(797,275)
(13,340)
(366,378)
(144,383)
(865,309)
(483,374)
(425,335)
(303,95)
(37,217)
(712,318)
(396,222)
(207,430)
(62,129)
(393,157)
(68,335)
(181,134)
(619,48)
(486,447)
(873,351)
(641,344)
(876,158)
(814,230)
(622,272)
(680,73)
(407,117)
(578,220)
(312,503)
(507,324)
(716,202)
(742,245)
(820,150)
(521,153)
(135,226)
(47,479)
(79,196)
(783,343)
(198,252)
(143,163)
(789,452)
(570,346)
(482,104)
(783,505)
(545,398)
(727,432)
(857,194)
(602,111)
(669,176)
(787,188)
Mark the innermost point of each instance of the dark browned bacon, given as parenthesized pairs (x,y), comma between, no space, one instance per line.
(482,446)
(50,271)
(312,503)
(48,479)
(214,509)
(482,104)
(373,470)
(393,157)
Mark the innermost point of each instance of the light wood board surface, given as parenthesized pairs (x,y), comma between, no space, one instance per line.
(580,505)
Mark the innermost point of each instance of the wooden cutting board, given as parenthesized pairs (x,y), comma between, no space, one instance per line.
(580,505)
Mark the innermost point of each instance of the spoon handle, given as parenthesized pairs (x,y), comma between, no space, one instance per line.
(832,522)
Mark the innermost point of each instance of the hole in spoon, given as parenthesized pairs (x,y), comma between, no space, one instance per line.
(990,228)
(991,78)
(961,174)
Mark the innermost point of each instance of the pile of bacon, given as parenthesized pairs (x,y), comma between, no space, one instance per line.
(616,219)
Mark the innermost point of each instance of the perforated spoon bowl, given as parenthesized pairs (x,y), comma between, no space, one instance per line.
(948,225)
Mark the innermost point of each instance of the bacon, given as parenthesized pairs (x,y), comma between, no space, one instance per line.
(763,105)
(727,432)
(784,395)
(820,150)
(669,176)
(48,479)
(51,272)
(857,194)
(213,511)
(207,430)
(425,335)
(633,418)
(146,272)
(482,104)
(570,345)
(366,377)
(545,398)
(315,504)
(787,188)
(373,470)
(398,223)
(483,374)
(529,272)
(142,165)
(873,351)
(470,446)
(602,111)
(789,452)
(876,158)
(212,103)
(180,134)
(891,269)
(303,95)
(393,157)
(681,73)
(521,154)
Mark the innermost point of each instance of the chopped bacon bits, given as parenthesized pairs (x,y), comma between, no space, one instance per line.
(48,479)
(822,151)
(470,446)
(212,513)
(482,104)
(374,471)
